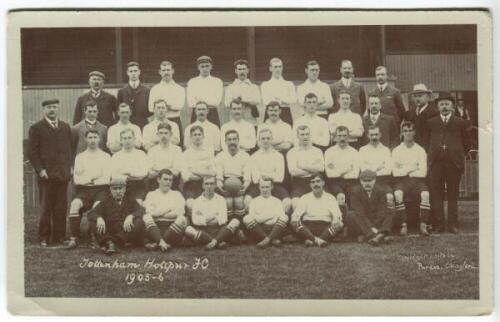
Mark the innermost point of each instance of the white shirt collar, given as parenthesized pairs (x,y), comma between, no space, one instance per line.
(374,116)
(95,93)
(91,122)
(346,81)
(445,118)
(56,121)
(383,86)
(276,79)
(239,82)
(421,109)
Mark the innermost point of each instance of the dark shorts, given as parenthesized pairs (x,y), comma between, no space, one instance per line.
(90,194)
(340,185)
(278,191)
(385,183)
(177,120)
(211,230)
(192,189)
(411,187)
(136,189)
(317,227)
(152,184)
(300,186)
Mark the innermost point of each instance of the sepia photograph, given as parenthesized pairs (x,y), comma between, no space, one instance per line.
(263,156)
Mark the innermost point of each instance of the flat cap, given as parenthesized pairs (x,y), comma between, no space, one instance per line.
(445,96)
(50,101)
(203,59)
(367,174)
(118,181)
(97,73)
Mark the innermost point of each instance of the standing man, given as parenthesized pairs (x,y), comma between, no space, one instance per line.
(106,103)
(281,131)
(447,143)
(169,91)
(369,216)
(212,137)
(390,96)
(317,218)
(246,130)
(207,88)
(389,129)
(279,90)
(136,95)
(355,89)
(114,137)
(320,132)
(319,88)
(347,118)
(51,155)
(423,110)
(244,90)
(90,122)
(149,135)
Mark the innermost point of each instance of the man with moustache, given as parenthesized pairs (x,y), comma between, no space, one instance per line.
(246,130)
(51,155)
(114,138)
(347,83)
(212,137)
(243,89)
(317,218)
(206,88)
(389,129)
(106,103)
(423,110)
(281,131)
(172,93)
(390,97)
(316,86)
(136,95)
(347,118)
(279,90)
(90,122)
(149,136)
(369,217)
(447,143)
(320,131)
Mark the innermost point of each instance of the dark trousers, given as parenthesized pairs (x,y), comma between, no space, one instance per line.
(286,115)
(114,232)
(53,206)
(177,120)
(212,116)
(359,224)
(441,172)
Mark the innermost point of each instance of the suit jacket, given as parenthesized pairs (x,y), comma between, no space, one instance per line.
(358,96)
(138,100)
(420,120)
(388,128)
(112,212)
(370,209)
(446,140)
(106,105)
(51,149)
(391,100)
(78,132)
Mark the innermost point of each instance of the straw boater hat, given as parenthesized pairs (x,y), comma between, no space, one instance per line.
(420,88)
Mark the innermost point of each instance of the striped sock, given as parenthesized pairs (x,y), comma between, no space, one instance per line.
(173,235)
(154,233)
(277,230)
(425,212)
(223,234)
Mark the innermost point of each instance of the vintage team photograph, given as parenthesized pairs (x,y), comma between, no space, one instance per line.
(252,161)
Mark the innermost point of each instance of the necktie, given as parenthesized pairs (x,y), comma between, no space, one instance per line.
(54,124)
(374,120)
(381,88)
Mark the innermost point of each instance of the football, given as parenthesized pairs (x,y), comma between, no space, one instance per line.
(232,185)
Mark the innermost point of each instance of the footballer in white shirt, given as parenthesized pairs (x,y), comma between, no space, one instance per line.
(210,224)
(113,137)
(245,129)
(281,131)
(149,132)
(212,131)
(409,171)
(320,131)
(313,85)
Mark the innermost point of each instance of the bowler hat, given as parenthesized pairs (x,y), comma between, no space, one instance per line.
(445,96)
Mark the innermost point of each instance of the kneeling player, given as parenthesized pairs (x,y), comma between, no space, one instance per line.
(210,225)
(266,218)
(164,217)
(409,171)
(117,219)
(317,218)
(91,177)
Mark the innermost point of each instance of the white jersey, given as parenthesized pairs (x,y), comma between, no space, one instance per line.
(210,131)
(377,159)
(197,162)
(246,132)
(266,210)
(208,89)
(113,138)
(164,206)
(92,166)
(322,91)
(172,93)
(311,208)
(348,119)
(299,157)
(282,131)
(150,133)
(237,165)
(409,161)
(169,157)
(278,90)
(269,163)
(208,212)
(133,162)
(342,163)
(320,132)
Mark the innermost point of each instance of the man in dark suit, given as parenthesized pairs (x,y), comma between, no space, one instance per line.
(89,123)
(447,143)
(390,96)
(136,95)
(389,130)
(347,83)
(424,109)
(50,154)
(106,103)
(369,216)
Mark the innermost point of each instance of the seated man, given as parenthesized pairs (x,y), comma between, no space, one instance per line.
(409,171)
(369,216)
(210,226)
(164,217)
(267,162)
(317,218)
(341,167)
(266,219)
(233,163)
(164,155)
(91,177)
(131,163)
(117,220)
(304,160)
